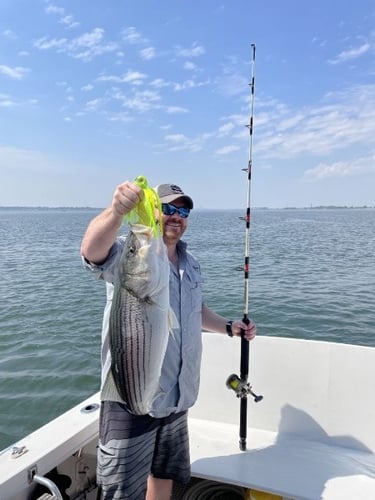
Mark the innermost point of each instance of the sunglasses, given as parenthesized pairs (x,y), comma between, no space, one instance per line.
(169,209)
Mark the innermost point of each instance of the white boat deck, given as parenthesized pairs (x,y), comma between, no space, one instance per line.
(290,467)
(312,437)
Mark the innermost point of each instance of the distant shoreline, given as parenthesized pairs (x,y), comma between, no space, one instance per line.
(318,207)
(16,207)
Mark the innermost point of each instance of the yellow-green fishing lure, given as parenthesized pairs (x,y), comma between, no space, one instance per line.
(145,211)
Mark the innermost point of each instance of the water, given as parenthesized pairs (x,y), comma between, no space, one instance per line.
(312,276)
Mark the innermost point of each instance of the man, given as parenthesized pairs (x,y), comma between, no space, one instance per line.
(140,456)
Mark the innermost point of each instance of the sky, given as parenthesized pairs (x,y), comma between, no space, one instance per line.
(96,92)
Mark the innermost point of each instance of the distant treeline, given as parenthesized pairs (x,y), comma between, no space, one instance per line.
(49,208)
(318,207)
(329,207)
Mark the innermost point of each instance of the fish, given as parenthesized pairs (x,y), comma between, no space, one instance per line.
(140,318)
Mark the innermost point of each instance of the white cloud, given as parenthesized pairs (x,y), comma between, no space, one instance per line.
(84,47)
(123,117)
(8,33)
(141,101)
(189,84)
(180,142)
(94,104)
(194,51)
(131,77)
(45,43)
(16,73)
(190,65)
(65,19)
(231,83)
(132,36)
(176,138)
(172,110)
(91,44)
(69,22)
(177,86)
(6,101)
(341,120)
(53,9)
(290,122)
(227,150)
(348,55)
(341,169)
(148,53)
(160,83)
(226,129)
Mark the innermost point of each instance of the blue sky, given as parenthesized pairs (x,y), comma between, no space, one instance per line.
(94,92)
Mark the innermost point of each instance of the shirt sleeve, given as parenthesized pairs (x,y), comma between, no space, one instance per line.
(107,270)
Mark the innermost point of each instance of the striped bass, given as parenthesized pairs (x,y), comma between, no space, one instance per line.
(139,322)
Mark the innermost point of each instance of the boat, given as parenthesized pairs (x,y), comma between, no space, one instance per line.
(311,437)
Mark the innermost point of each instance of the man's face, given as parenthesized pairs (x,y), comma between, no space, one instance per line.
(174,225)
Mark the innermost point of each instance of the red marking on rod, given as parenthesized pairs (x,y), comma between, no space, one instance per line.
(246,266)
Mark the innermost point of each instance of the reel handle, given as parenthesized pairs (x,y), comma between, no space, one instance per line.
(241,388)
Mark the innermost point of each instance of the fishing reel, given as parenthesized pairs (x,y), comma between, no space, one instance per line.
(241,387)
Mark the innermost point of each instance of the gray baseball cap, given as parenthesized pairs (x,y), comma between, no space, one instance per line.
(170,192)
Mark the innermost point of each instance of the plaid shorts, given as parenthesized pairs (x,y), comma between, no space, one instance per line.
(132,447)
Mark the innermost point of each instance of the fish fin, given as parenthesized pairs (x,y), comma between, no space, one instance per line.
(172,321)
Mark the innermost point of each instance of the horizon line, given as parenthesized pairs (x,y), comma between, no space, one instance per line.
(68,207)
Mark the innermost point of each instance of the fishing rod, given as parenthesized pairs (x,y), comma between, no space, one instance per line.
(240,385)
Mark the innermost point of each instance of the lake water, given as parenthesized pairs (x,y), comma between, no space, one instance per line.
(312,276)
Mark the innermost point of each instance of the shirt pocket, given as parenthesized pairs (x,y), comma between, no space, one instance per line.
(196,294)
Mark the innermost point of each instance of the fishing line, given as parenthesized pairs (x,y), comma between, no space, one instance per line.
(240,384)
